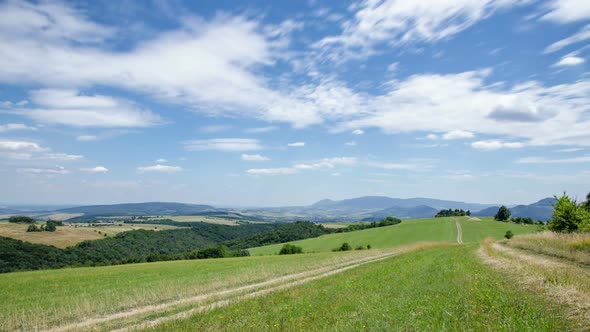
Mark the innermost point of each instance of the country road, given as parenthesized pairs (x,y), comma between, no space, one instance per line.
(459,232)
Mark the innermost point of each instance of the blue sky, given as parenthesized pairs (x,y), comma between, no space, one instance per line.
(266,103)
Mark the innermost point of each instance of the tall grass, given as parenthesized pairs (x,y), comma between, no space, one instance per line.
(571,246)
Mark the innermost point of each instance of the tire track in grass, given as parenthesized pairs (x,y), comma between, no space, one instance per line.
(459,232)
(225,297)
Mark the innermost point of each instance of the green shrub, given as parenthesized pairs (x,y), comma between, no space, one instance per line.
(289,249)
(508,234)
(344,247)
(34,228)
(359,248)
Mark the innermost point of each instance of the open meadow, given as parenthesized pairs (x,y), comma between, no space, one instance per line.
(409,231)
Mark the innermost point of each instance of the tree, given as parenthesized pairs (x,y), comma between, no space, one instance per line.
(568,216)
(503,214)
(508,234)
(21,219)
(33,228)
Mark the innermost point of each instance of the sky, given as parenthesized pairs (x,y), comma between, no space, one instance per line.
(270,103)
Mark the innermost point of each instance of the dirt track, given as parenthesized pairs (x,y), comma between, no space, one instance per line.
(209,301)
(459,232)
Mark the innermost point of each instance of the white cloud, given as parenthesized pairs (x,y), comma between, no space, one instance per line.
(254,157)
(296,144)
(358,132)
(578,37)
(495,145)
(393,67)
(567,11)
(529,112)
(20,146)
(432,137)
(351,143)
(70,107)
(159,168)
(61,156)
(543,160)
(87,138)
(97,169)
(570,150)
(570,61)
(397,22)
(15,126)
(457,134)
(272,171)
(260,130)
(412,166)
(326,163)
(161,160)
(224,144)
(58,170)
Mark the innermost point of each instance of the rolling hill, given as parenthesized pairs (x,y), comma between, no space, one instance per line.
(540,210)
(140,209)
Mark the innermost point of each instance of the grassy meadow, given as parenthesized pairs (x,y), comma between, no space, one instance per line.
(74,294)
(435,289)
(66,236)
(409,231)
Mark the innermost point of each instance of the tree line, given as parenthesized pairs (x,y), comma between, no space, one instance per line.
(452,213)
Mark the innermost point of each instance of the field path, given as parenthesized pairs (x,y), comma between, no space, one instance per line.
(459,231)
(225,297)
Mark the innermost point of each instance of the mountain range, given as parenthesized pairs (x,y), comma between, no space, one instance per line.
(366,208)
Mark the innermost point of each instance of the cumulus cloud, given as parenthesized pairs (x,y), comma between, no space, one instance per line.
(272,171)
(159,168)
(97,169)
(161,160)
(457,134)
(495,145)
(296,144)
(223,144)
(254,157)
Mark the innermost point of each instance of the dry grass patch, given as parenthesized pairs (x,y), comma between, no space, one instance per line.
(562,282)
(66,236)
(573,246)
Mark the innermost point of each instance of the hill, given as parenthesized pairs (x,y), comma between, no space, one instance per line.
(421,211)
(383,202)
(541,210)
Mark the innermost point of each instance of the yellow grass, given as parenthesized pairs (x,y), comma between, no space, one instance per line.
(574,246)
(66,236)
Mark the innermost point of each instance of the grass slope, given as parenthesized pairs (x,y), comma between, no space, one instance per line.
(69,295)
(409,231)
(441,288)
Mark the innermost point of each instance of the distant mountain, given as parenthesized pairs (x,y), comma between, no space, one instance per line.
(383,202)
(9,211)
(541,210)
(140,209)
(421,211)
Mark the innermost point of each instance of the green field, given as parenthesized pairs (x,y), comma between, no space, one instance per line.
(73,294)
(438,289)
(409,231)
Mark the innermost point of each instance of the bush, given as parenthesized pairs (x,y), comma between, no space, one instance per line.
(508,234)
(359,248)
(344,247)
(213,252)
(289,249)
(34,228)
(368,246)
(522,220)
(21,220)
